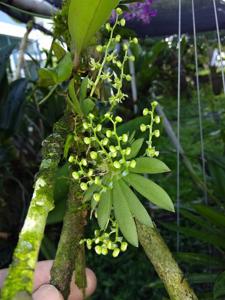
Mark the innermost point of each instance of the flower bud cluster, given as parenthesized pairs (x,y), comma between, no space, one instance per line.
(107,154)
(154,119)
(110,57)
(104,242)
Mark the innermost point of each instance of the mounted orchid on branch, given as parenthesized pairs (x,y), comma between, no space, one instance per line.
(107,163)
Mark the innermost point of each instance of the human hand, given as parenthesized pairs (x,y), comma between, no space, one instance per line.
(42,288)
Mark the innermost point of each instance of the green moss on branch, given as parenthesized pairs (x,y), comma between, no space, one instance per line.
(20,278)
(69,250)
(164,264)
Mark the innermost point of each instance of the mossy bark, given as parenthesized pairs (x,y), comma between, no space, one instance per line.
(19,282)
(164,264)
(69,250)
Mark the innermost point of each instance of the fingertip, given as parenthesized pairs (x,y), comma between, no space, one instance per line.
(42,273)
(47,291)
(76,293)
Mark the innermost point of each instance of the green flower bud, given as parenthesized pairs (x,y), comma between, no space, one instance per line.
(104,251)
(135,40)
(119,119)
(119,11)
(128,151)
(123,246)
(125,138)
(75,175)
(117,165)
(114,154)
(93,155)
(122,22)
(145,112)
(133,164)
(99,48)
(108,133)
(157,119)
(105,142)
(131,58)
(157,133)
(83,186)
(97,240)
(143,127)
(118,38)
(154,103)
(112,149)
(99,128)
(89,244)
(107,26)
(84,162)
(98,250)
(119,64)
(91,116)
(97,197)
(71,159)
(110,245)
(98,180)
(90,172)
(87,140)
(85,125)
(128,77)
(125,47)
(116,252)
(107,115)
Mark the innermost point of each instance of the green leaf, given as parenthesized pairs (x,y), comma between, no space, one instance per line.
(86,17)
(58,50)
(68,143)
(211,214)
(205,236)
(137,209)
(135,148)
(150,190)
(64,68)
(219,287)
(149,165)
(47,77)
(87,106)
(73,97)
(104,209)
(123,216)
(83,89)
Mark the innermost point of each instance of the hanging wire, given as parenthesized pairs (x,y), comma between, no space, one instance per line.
(178,123)
(199,102)
(219,44)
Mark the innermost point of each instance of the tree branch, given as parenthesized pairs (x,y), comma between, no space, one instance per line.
(19,282)
(164,264)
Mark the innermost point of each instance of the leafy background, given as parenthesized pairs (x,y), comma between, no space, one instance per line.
(24,123)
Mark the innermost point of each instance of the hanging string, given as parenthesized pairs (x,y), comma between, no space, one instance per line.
(199,102)
(219,44)
(178,124)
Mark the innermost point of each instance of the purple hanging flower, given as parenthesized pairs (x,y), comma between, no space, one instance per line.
(141,11)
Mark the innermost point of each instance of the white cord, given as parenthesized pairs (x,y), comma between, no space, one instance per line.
(199,102)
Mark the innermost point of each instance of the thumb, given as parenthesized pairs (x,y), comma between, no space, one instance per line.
(48,292)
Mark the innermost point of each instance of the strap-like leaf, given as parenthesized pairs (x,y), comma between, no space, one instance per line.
(87,105)
(124,216)
(135,148)
(137,209)
(104,209)
(149,165)
(150,190)
(85,19)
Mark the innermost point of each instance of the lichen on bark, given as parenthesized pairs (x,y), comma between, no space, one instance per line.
(69,252)
(20,277)
(164,264)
